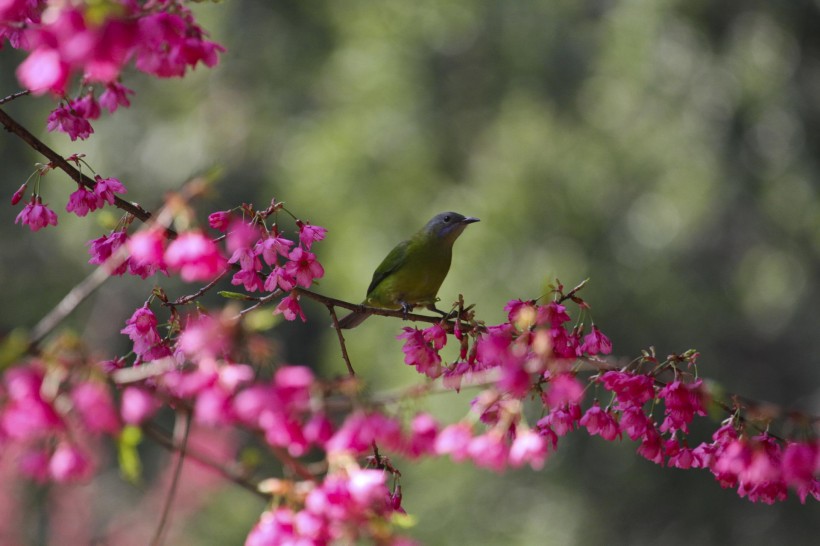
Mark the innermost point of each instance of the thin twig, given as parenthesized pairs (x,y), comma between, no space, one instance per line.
(13,96)
(183,419)
(58,161)
(229,472)
(191,297)
(338,329)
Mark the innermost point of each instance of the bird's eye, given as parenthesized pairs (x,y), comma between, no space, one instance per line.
(447,218)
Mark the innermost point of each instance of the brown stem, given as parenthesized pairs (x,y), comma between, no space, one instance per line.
(228,472)
(336,327)
(58,161)
(182,433)
(13,96)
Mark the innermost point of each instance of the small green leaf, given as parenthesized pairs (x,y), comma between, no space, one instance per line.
(127,454)
(234,295)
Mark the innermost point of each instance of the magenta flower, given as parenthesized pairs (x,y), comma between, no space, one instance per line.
(93,403)
(138,405)
(18,195)
(272,246)
(147,248)
(423,433)
(564,389)
(454,440)
(600,422)
(204,336)
(309,234)
(634,422)
(303,267)
(105,188)
(596,342)
(68,463)
(489,451)
(562,420)
(142,329)
(195,257)
(36,215)
(289,308)
(249,279)
(86,107)
(528,447)
(220,220)
(103,248)
(683,401)
(630,389)
(651,447)
(418,352)
(43,71)
(114,96)
(66,120)
(82,201)
(279,278)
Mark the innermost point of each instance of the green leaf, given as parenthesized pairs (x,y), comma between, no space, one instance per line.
(127,454)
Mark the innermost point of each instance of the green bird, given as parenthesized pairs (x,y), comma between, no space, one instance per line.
(413,271)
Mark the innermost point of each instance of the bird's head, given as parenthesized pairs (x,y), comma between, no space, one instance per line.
(448,225)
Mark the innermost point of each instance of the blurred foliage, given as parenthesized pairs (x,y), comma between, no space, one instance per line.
(665,149)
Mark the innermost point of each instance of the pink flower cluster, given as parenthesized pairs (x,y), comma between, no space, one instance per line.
(348,506)
(161,38)
(50,421)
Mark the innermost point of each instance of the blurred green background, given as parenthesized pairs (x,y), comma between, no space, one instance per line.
(665,149)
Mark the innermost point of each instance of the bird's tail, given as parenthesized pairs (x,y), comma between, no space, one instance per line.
(352,320)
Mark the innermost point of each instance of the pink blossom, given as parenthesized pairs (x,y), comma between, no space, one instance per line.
(514,308)
(272,246)
(213,407)
(630,389)
(309,234)
(553,314)
(801,461)
(634,422)
(419,353)
(105,188)
(367,486)
(141,328)
(489,451)
(147,248)
(65,119)
(82,201)
(68,463)
(423,432)
(36,215)
(279,278)
(454,440)
(204,336)
(601,422)
(679,456)
(138,405)
(86,107)
(114,96)
(528,447)
(289,308)
(436,335)
(596,342)
(304,267)
(452,376)
(102,248)
(220,220)
(93,403)
(43,71)
(562,420)
(318,429)
(651,447)
(195,257)
(564,389)
(683,402)
(249,279)
(169,43)
(274,528)
(360,429)
(18,195)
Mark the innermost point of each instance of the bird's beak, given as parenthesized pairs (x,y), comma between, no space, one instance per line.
(470,220)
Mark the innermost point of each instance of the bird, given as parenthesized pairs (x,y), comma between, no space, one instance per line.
(411,274)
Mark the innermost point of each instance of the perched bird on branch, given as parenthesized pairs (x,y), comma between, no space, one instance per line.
(413,271)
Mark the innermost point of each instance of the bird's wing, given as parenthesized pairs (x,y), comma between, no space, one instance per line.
(392,262)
